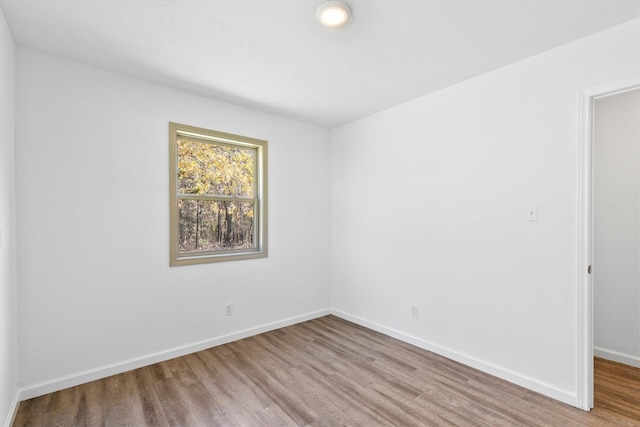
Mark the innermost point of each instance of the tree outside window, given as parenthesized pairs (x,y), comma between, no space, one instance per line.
(218,186)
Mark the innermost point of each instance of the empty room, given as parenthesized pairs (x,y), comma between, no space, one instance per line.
(319,213)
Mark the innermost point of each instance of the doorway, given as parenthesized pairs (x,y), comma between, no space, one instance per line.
(616,253)
(616,227)
(586,295)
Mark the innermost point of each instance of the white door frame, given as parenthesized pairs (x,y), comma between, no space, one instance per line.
(585,232)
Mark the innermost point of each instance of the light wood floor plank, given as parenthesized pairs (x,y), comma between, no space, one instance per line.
(325,372)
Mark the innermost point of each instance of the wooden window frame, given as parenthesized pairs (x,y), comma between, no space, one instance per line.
(176,131)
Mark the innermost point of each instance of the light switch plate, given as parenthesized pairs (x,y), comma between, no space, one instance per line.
(532,213)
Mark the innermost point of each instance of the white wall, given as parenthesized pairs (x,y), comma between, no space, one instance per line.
(97,293)
(429,201)
(616,232)
(8,251)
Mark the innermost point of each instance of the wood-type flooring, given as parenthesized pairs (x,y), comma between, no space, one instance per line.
(324,372)
(616,389)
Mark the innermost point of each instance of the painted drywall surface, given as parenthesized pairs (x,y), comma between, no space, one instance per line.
(429,206)
(616,217)
(8,251)
(92,172)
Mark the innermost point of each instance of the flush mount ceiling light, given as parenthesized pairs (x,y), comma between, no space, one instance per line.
(333,13)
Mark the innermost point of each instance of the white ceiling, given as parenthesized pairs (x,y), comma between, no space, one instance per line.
(273,55)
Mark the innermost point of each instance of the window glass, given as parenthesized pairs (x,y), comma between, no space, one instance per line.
(218,196)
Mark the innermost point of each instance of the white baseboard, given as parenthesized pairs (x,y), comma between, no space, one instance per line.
(564,396)
(616,356)
(13,410)
(61,383)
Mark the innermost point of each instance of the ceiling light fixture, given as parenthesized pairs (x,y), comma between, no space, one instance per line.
(333,13)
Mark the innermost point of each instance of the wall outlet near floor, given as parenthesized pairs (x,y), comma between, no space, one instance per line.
(228,309)
(414,310)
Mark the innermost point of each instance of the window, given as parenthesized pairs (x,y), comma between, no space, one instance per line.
(218,195)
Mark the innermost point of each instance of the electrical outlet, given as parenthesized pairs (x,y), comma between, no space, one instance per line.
(228,309)
(414,310)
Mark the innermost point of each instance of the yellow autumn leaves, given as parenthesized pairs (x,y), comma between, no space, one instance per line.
(215,169)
